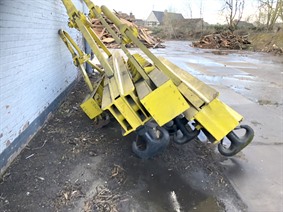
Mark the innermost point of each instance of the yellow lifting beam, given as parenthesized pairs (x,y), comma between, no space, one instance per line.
(79,21)
(120,99)
(92,103)
(171,112)
(138,91)
(189,86)
(79,57)
(95,12)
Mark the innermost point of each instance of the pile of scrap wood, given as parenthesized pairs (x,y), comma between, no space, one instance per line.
(224,40)
(143,33)
(273,49)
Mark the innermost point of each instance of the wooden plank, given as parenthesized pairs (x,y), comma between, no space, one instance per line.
(108,40)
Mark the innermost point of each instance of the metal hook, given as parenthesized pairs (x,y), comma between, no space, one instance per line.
(154,143)
(237,144)
(171,127)
(185,133)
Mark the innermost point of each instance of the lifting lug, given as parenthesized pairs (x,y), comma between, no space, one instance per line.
(154,140)
(184,133)
(237,143)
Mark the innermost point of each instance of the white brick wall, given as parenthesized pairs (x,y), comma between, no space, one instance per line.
(35,65)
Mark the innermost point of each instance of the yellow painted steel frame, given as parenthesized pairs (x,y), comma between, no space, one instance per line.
(134,113)
(152,91)
(92,103)
(120,99)
(140,71)
(79,21)
(79,57)
(118,93)
(212,114)
(191,88)
(165,103)
(218,119)
(95,12)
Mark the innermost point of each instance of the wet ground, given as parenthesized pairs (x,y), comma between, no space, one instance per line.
(252,84)
(70,166)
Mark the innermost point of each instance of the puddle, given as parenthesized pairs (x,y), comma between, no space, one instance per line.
(243,76)
(161,189)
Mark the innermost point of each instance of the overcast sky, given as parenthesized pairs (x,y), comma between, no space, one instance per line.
(141,9)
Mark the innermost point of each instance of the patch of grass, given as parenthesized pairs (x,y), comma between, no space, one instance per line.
(265,40)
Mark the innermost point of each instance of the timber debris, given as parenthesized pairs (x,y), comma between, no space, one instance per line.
(144,35)
(224,40)
(273,49)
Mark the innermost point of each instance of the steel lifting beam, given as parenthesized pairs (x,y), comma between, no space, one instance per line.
(195,91)
(148,82)
(95,12)
(92,103)
(79,21)
(79,57)
(153,97)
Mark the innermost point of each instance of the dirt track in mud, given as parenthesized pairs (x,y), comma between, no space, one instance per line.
(70,166)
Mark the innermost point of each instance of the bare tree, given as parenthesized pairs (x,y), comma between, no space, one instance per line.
(271,10)
(188,8)
(281,10)
(201,15)
(170,23)
(200,9)
(233,11)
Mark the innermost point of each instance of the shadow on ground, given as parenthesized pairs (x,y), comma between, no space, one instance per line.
(70,166)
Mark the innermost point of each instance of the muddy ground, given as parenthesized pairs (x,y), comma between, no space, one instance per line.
(71,166)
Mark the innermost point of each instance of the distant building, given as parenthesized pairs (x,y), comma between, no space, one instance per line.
(195,24)
(139,22)
(245,25)
(156,18)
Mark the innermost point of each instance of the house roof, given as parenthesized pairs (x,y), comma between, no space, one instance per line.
(160,15)
(245,24)
(194,20)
